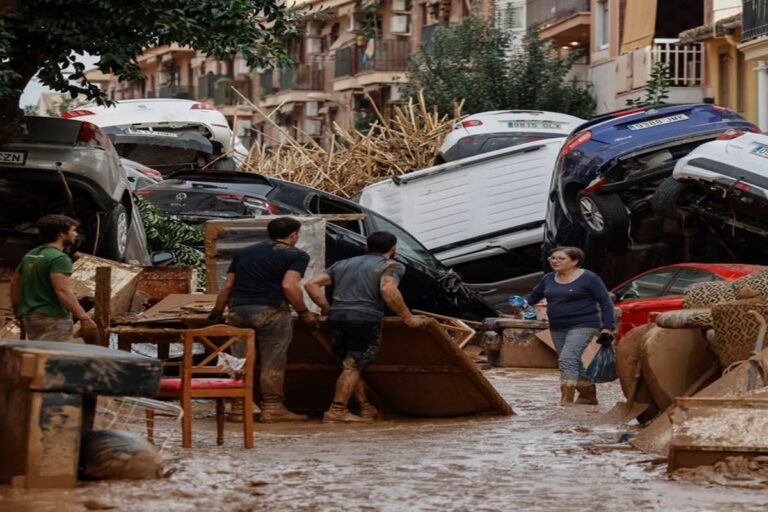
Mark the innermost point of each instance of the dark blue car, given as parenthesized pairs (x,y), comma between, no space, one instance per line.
(610,166)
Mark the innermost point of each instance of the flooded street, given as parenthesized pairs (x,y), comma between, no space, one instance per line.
(544,458)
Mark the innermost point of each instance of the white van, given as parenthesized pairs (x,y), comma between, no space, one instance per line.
(167,134)
(483,216)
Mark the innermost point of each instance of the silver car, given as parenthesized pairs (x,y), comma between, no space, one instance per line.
(67,167)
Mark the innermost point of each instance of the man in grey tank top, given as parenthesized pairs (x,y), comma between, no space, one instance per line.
(362,286)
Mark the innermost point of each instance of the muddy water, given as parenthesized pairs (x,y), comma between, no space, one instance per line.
(545,458)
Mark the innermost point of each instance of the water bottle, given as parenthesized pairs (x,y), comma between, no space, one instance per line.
(516,301)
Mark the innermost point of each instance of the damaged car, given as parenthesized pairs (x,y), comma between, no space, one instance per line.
(67,167)
(196,196)
(608,172)
(167,134)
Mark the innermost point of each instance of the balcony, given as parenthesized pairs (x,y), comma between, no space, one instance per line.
(388,55)
(206,85)
(684,61)
(302,77)
(265,81)
(183,92)
(223,93)
(754,19)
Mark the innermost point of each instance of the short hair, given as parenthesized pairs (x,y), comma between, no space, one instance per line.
(381,242)
(282,227)
(49,227)
(574,253)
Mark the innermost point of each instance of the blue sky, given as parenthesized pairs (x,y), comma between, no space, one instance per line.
(34,88)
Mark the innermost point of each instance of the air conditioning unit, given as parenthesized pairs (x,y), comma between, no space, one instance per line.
(313,127)
(400,24)
(400,5)
(311,109)
(356,22)
(395,95)
(313,45)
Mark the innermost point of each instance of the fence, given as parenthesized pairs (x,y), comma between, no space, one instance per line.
(754,19)
(684,61)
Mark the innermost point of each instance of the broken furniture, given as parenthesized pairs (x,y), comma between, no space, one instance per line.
(48,396)
(518,343)
(203,379)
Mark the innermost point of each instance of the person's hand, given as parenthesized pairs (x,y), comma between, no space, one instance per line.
(217,316)
(88,330)
(606,337)
(310,318)
(416,321)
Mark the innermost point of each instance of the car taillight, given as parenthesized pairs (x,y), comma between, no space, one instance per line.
(470,123)
(742,186)
(754,129)
(201,106)
(92,135)
(730,134)
(595,185)
(230,197)
(144,192)
(76,113)
(628,112)
(576,142)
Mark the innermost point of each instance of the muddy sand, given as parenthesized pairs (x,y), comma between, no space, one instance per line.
(544,458)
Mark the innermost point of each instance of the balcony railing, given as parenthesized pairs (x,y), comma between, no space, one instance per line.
(754,19)
(388,55)
(428,35)
(184,92)
(206,85)
(223,93)
(302,77)
(265,81)
(685,68)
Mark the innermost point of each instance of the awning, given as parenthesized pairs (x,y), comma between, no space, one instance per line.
(639,25)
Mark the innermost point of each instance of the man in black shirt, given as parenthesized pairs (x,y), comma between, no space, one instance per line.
(261,281)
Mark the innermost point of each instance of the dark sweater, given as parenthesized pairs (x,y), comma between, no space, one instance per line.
(575,304)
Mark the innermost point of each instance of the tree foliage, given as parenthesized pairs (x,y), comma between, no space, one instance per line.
(656,88)
(49,38)
(473,61)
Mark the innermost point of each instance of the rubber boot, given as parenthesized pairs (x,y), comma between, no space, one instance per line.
(339,414)
(235,414)
(273,411)
(567,392)
(587,393)
(367,410)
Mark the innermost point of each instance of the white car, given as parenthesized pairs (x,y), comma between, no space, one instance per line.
(489,131)
(167,134)
(726,179)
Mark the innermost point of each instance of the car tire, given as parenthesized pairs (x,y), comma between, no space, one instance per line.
(116,234)
(665,199)
(603,215)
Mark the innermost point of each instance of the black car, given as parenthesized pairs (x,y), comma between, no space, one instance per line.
(197,196)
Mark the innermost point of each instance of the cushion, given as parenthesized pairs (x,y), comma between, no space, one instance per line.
(705,294)
(735,329)
(752,285)
(174,384)
(685,319)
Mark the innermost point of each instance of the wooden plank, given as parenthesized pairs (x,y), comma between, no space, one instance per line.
(102,304)
(124,280)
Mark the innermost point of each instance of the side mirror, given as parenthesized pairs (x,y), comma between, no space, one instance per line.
(162,258)
(613,297)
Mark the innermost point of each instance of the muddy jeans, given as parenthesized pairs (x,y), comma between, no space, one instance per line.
(274,330)
(40,327)
(570,345)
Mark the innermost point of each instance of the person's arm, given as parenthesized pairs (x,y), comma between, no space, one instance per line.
(62,287)
(537,293)
(15,292)
(390,292)
(315,290)
(222,298)
(293,294)
(600,293)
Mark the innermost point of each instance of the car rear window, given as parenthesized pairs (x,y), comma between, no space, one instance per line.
(476,145)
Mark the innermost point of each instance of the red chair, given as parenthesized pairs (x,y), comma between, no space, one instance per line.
(216,339)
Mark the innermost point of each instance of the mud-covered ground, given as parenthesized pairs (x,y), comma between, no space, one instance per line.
(544,458)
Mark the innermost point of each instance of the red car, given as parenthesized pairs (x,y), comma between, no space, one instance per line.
(662,289)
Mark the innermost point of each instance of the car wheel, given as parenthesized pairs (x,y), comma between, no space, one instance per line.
(665,199)
(603,215)
(116,234)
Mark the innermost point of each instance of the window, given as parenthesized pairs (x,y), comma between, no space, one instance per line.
(649,285)
(602,24)
(407,245)
(510,15)
(689,276)
(324,206)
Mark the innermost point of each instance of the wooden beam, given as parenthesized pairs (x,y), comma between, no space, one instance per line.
(102,304)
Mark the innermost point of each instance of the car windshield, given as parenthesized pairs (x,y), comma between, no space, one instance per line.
(407,245)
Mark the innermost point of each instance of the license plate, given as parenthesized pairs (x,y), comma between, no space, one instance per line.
(13,157)
(760,150)
(158,133)
(534,125)
(657,122)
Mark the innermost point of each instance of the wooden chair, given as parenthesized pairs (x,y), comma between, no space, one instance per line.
(216,339)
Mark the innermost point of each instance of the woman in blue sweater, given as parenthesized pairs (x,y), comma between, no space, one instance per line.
(579,308)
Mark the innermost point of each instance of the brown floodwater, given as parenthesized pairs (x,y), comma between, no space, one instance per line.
(544,458)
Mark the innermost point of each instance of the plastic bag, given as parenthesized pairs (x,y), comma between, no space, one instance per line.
(603,366)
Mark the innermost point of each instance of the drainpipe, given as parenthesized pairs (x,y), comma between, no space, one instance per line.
(762,95)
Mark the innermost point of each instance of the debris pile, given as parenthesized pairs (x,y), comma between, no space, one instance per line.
(407,142)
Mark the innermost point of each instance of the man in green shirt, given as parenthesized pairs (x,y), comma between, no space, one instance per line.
(41,291)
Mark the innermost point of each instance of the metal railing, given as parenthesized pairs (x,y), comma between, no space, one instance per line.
(185,92)
(302,77)
(265,81)
(206,85)
(224,95)
(427,36)
(754,19)
(684,61)
(387,55)
(345,62)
